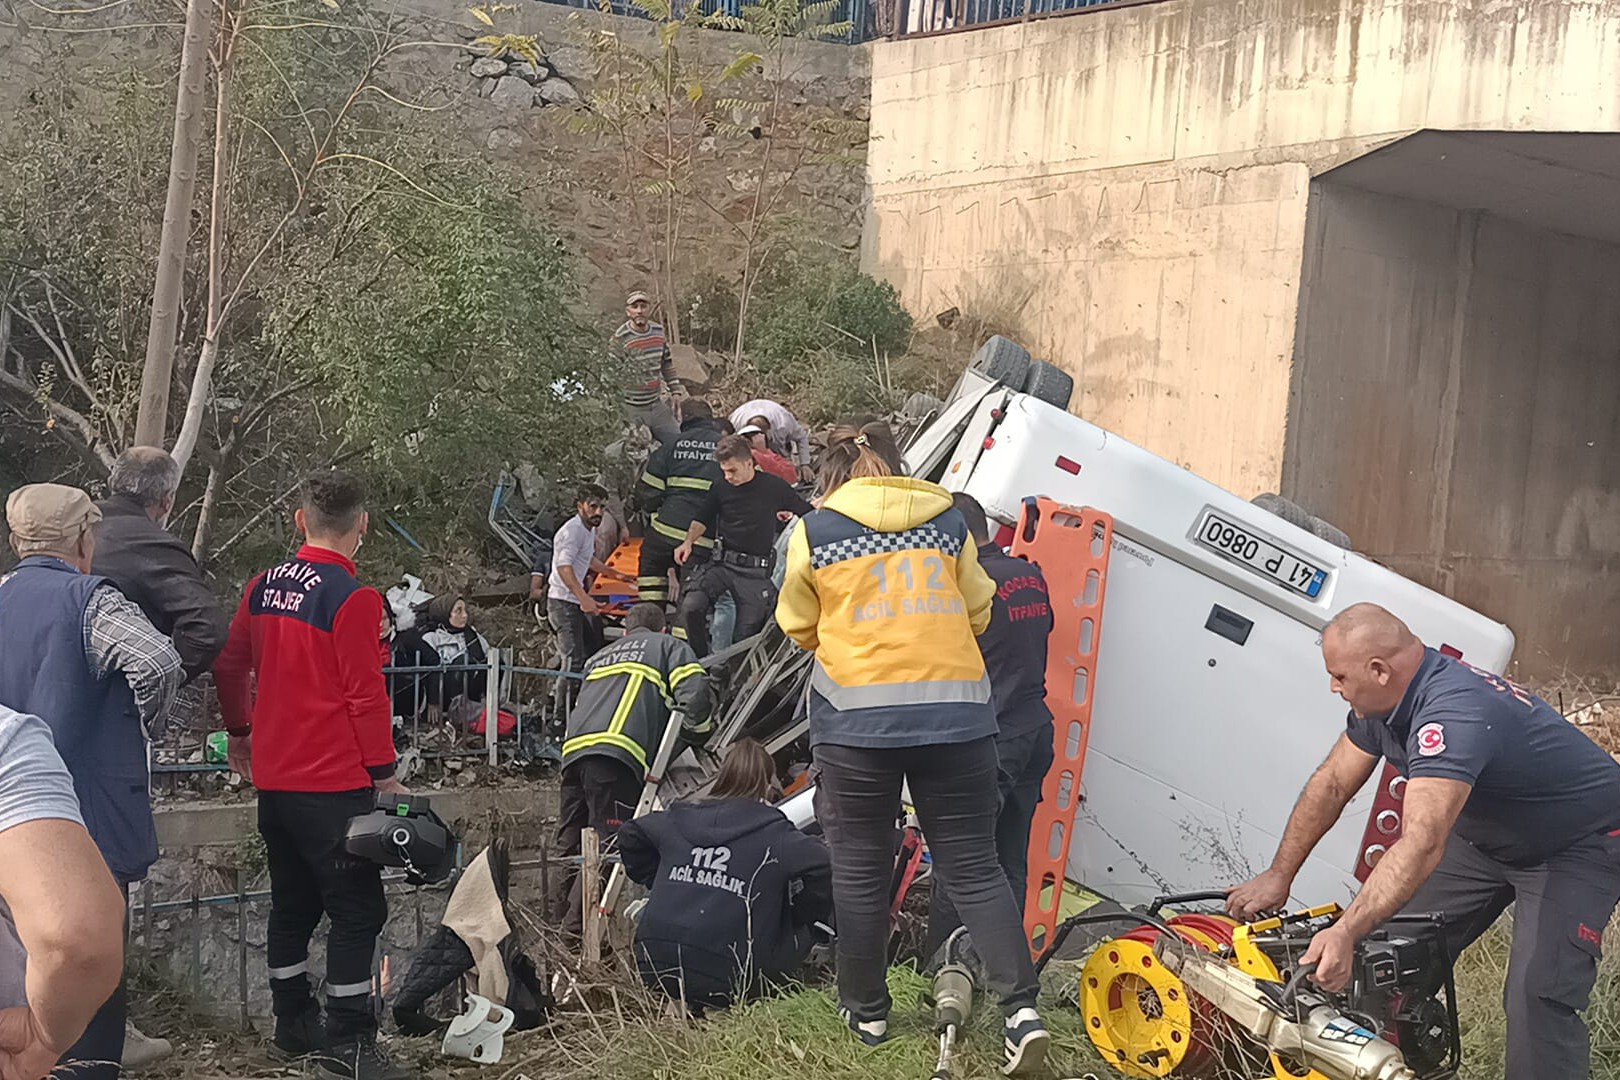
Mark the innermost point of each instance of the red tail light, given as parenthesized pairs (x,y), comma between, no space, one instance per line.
(1069,465)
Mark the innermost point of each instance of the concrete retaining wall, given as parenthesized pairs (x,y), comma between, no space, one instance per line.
(1125,187)
(1456,408)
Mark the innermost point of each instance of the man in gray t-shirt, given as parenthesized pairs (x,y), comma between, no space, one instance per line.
(61,913)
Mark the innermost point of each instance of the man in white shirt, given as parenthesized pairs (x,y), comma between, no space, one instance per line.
(568,605)
(783,432)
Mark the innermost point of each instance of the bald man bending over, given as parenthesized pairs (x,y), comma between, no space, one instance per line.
(1506,802)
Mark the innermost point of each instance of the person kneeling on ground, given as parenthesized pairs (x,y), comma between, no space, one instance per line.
(736,889)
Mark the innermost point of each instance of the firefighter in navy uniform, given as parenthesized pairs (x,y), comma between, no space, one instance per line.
(1014,646)
(1505,802)
(674,490)
(631,688)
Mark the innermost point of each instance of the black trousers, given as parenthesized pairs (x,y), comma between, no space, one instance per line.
(311,875)
(97,1054)
(1022,764)
(704,979)
(598,792)
(657,560)
(652,574)
(954,789)
(750,587)
(1560,910)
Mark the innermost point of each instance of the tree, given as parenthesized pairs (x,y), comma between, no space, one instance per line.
(152,420)
(789,138)
(654,108)
(75,266)
(367,295)
(666,109)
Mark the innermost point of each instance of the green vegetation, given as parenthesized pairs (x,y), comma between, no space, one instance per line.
(797,1034)
(833,339)
(801,1034)
(395,308)
(1481,975)
(809,306)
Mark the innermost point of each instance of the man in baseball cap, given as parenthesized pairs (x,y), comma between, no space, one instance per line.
(54,519)
(80,656)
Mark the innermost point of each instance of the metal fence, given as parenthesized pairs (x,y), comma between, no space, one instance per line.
(873,19)
(442,713)
(858,13)
(184,958)
(437,707)
(943,16)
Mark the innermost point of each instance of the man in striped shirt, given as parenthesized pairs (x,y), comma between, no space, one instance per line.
(648,370)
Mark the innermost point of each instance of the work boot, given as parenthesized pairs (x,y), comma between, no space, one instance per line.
(299,1035)
(1026,1043)
(141,1050)
(362,1059)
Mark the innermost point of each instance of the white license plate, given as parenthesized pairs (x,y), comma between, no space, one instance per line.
(1252,550)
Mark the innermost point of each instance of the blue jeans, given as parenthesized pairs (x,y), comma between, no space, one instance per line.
(725,622)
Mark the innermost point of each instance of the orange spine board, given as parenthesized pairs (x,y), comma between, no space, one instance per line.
(1071,545)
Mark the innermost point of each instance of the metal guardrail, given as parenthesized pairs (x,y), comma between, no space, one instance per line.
(435,709)
(871,20)
(922,17)
(858,13)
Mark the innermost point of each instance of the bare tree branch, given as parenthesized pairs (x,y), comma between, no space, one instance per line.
(82,437)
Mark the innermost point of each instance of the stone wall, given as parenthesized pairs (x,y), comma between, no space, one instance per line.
(517,115)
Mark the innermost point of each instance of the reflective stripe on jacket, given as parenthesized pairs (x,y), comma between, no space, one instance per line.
(884,584)
(678,479)
(631,688)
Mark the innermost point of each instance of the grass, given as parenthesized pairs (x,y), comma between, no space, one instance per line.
(1481,974)
(801,1034)
(798,1034)
(627,1034)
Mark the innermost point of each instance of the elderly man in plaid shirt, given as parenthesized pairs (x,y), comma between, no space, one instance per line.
(77,654)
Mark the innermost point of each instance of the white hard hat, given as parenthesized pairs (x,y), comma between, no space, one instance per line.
(476,1034)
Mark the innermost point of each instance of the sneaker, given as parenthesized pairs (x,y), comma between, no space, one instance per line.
(870,1032)
(362,1059)
(141,1050)
(298,1036)
(1026,1042)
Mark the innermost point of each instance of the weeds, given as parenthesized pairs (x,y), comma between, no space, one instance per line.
(1482,973)
(798,1033)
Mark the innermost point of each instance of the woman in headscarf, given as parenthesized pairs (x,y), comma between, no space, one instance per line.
(447,629)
